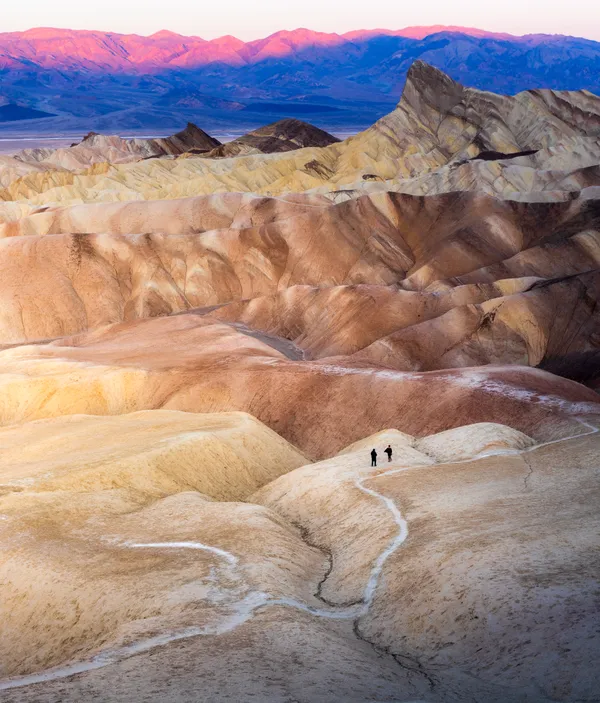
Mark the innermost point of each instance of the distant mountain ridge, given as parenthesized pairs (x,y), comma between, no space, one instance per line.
(70,49)
(106,81)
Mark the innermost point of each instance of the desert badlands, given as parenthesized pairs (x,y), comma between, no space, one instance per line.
(200,344)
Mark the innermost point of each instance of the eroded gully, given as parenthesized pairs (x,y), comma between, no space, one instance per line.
(254,601)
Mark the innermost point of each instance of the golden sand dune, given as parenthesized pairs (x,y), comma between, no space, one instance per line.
(126,505)
(152,454)
(112,574)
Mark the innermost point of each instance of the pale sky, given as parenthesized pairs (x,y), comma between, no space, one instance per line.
(251,19)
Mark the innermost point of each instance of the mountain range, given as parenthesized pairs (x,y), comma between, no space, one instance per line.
(57,80)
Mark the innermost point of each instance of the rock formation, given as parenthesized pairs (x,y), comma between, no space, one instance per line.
(197,356)
(429,144)
(97,148)
(186,362)
(126,515)
(282,136)
(285,135)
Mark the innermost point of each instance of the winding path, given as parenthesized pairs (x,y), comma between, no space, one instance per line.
(255,600)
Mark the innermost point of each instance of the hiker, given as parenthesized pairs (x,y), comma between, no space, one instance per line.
(388,451)
(373,457)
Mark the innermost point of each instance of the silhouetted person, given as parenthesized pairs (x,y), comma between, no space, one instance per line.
(388,451)
(373,457)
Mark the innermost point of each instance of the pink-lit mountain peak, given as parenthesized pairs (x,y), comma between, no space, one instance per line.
(228,41)
(306,37)
(52,33)
(285,42)
(167,34)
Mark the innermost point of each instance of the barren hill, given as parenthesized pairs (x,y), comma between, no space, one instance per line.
(201,345)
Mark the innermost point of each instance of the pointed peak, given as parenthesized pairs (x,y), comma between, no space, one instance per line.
(420,71)
(166,34)
(228,40)
(193,136)
(426,83)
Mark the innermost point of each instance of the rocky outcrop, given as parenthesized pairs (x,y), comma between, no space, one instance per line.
(97,148)
(191,139)
(285,135)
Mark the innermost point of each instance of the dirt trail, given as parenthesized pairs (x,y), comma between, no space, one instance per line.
(253,600)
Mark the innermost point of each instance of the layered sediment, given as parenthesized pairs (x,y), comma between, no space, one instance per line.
(201,344)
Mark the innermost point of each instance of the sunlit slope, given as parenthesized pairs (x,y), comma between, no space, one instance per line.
(154,454)
(112,533)
(189,363)
(473,547)
(147,259)
(182,216)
